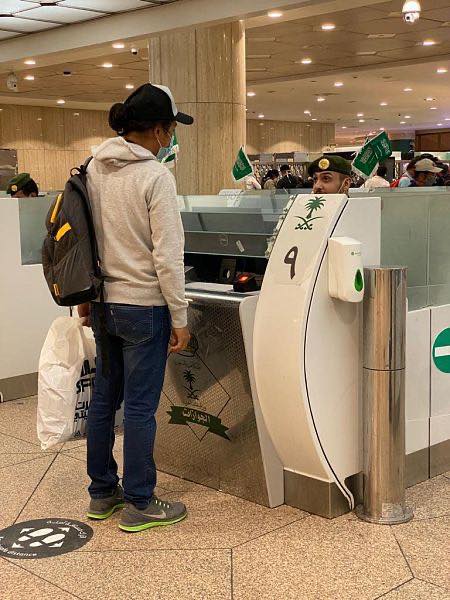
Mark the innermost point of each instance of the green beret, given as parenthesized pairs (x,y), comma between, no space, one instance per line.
(17,183)
(336,164)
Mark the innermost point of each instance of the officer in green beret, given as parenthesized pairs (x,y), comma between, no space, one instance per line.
(331,175)
(22,186)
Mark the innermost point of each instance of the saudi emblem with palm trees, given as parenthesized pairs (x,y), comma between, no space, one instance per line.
(313,205)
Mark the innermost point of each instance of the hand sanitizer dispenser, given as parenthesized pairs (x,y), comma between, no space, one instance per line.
(345,269)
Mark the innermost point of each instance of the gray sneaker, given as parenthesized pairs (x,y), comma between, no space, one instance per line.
(102,508)
(157,513)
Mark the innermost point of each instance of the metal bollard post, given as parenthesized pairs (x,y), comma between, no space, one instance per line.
(384,396)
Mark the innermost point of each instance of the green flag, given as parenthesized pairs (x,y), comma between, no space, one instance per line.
(371,155)
(242,167)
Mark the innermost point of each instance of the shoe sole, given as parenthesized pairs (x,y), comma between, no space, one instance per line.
(102,516)
(144,526)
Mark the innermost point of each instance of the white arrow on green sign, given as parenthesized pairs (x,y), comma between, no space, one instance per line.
(441,351)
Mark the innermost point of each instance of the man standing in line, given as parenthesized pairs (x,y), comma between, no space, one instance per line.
(141,245)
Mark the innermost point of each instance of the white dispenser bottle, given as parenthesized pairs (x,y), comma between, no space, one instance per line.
(345,269)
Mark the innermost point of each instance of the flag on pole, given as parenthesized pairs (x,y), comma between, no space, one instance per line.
(371,155)
(242,167)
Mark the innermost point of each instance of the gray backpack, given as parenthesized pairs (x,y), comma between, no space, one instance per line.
(70,256)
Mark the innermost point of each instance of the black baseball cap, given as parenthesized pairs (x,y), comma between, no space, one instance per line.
(152,102)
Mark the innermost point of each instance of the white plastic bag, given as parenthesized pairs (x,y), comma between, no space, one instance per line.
(65,382)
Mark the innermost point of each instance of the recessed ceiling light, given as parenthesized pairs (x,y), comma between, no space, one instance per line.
(338,84)
(407,117)
(129,86)
(76,114)
(360,115)
(274,14)
(251,94)
(381,129)
(320,99)
(383,103)
(402,122)
(344,127)
(428,43)
(307,112)
(430,99)
(118,45)
(407,90)
(313,119)
(107,65)
(447,118)
(61,101)
(362,121)
(29,61)
(39,118)
(261,116)
(433,107)
(366,53)
(439,124)
(306,61)
(29,77)
(328,26)
(441,70)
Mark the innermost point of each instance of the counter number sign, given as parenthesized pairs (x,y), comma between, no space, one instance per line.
(441,351)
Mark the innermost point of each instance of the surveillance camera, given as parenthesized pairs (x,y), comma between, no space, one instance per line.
(411,17)
(134,51)
(411,11)
(12,82)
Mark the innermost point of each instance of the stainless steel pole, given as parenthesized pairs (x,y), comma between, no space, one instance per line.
(384,396)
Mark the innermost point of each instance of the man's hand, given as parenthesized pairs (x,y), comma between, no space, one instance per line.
(84,312)
(179,339)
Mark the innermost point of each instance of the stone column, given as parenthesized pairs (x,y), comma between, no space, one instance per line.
(205,69)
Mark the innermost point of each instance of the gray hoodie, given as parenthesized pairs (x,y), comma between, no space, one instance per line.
(138,228)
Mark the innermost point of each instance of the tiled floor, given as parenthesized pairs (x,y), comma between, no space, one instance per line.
(227,548)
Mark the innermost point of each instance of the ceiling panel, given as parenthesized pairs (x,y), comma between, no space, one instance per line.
(11,6)
(23,25)
(28,16)
(4,35)
(394,25)
(59,14)
(106,5)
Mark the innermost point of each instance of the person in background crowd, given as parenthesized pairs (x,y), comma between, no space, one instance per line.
(22,186)
(287,181)
(251,183)
(331,175)
(425,173)
(443,178)
(408,175)
(271,179)
(379,180)
(141,243)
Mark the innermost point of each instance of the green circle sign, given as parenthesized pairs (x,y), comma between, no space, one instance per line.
(441,351)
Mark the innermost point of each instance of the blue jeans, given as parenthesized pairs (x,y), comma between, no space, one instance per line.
(137,345)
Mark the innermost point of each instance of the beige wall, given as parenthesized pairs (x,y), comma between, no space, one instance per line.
(50,141)
(285,136)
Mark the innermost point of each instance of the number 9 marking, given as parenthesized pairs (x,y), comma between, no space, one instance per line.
(291,259)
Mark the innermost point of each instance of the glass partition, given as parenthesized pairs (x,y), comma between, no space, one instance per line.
(32,215)
(415,231)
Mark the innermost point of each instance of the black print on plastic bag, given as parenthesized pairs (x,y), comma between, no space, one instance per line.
(84,388)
